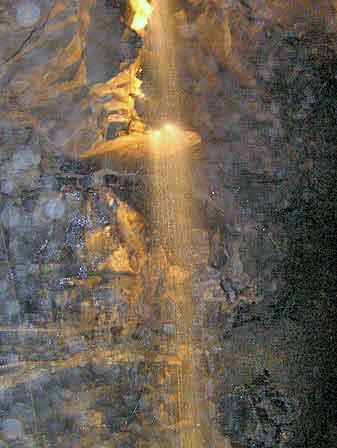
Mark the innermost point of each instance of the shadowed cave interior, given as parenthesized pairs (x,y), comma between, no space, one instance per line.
(167,223)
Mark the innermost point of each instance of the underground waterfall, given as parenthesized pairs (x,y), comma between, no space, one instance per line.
(171,184)
(167,215)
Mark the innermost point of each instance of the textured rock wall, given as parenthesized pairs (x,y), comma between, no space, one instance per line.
(72,250)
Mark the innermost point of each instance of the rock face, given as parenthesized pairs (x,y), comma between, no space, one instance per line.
(80,280)
(136,150)
(258,414)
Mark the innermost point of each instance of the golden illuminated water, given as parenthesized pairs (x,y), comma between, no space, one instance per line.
(172,229)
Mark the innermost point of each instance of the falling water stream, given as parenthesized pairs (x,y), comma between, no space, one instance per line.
(172,225)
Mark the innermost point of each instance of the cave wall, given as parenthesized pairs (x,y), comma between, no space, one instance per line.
(68,82)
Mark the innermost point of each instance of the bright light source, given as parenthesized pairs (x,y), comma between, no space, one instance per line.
(169,127)
(142,10)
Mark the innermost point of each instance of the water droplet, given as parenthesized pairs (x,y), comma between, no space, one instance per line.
(25,158)
(10,216)
(54,208)
(28,13)
(7,186)
(12,429)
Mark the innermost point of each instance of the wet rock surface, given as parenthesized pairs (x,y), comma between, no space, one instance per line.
(80,328)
